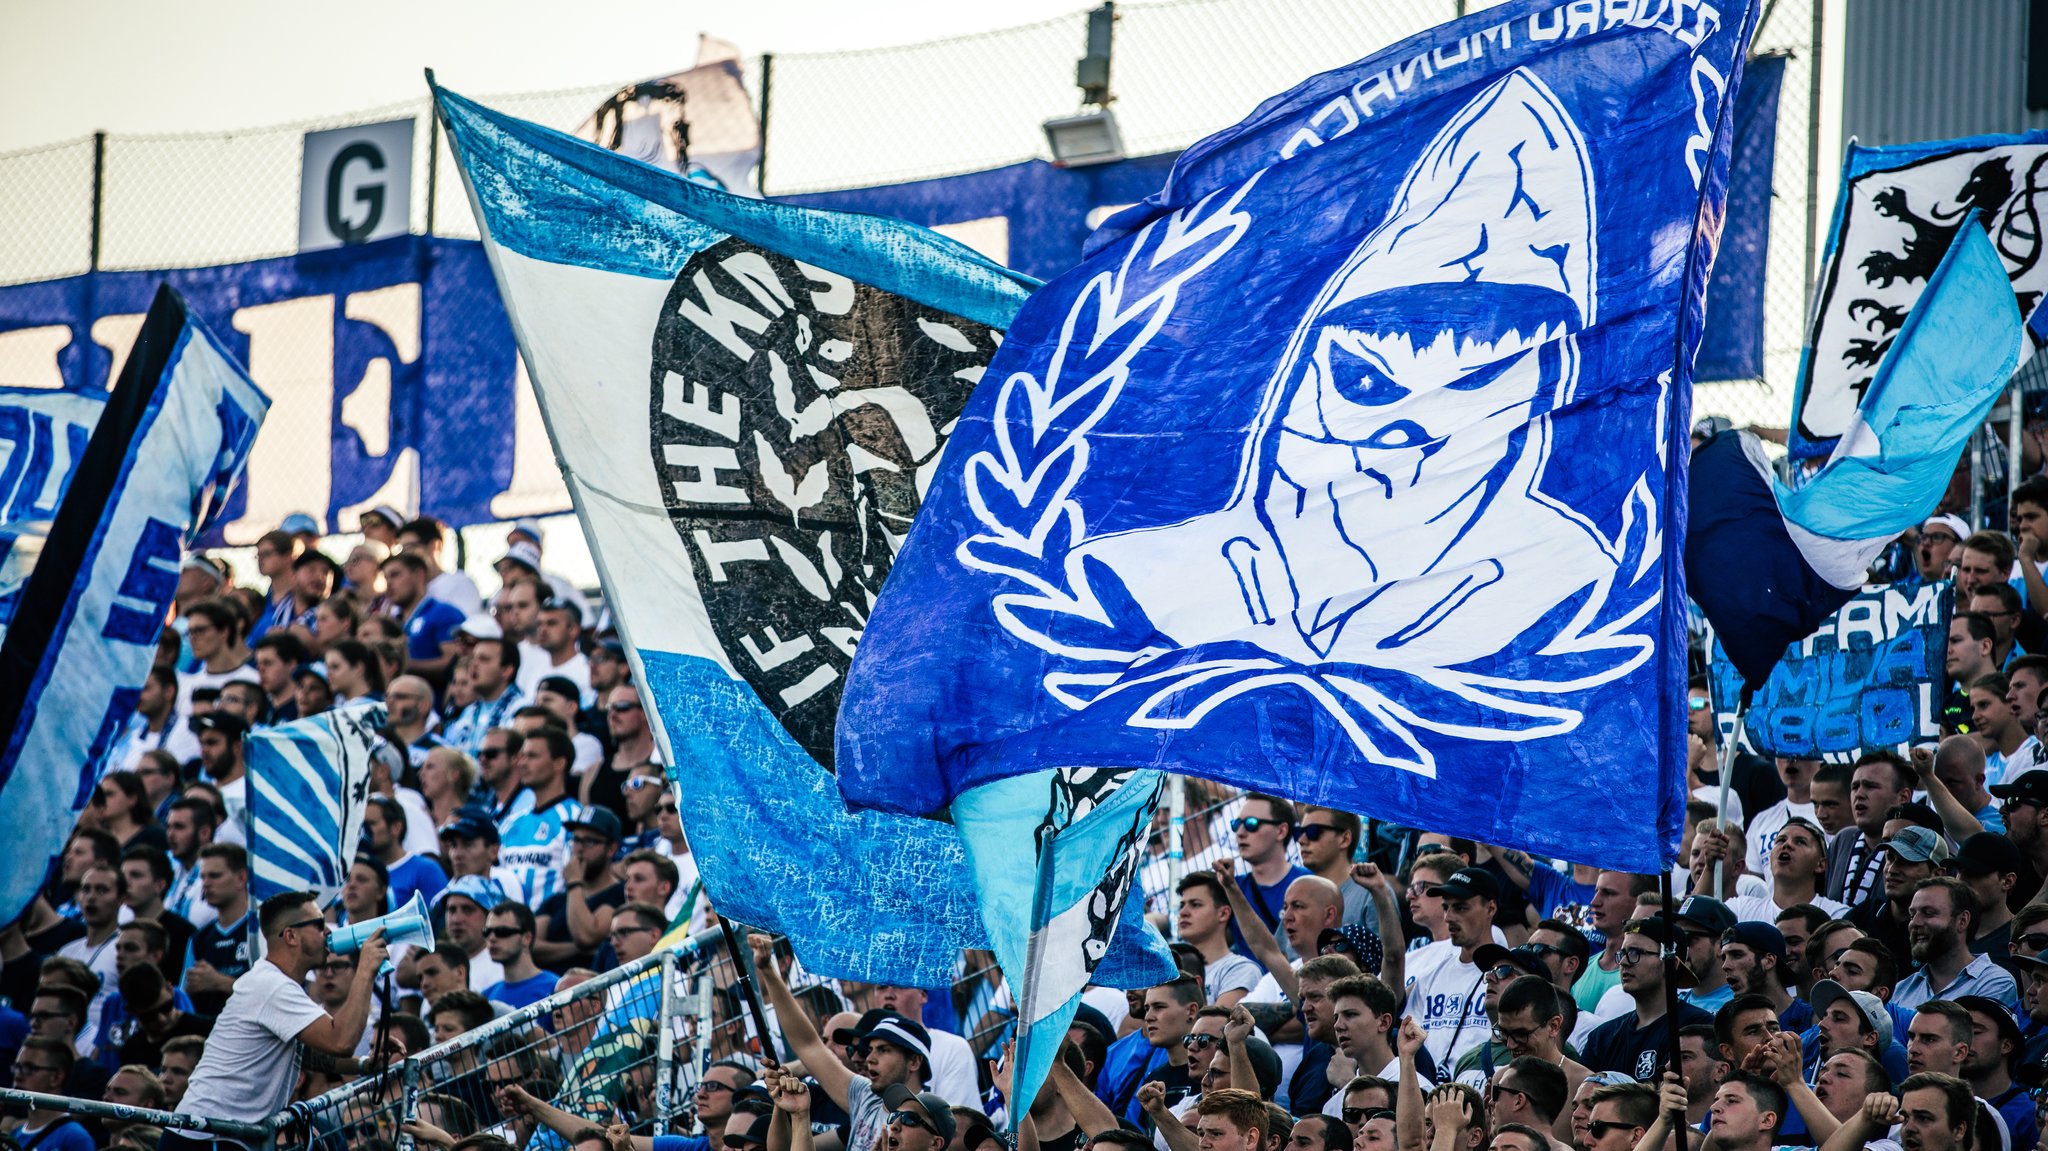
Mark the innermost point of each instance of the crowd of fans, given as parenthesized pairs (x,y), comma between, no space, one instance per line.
(1861,948)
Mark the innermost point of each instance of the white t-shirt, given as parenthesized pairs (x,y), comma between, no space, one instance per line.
(101,960)
(235,795)
(1109,1001)
(535,664)
(1334,1108)
(188,681)
(953,1075)
(421,836)
(458,591)
(484,971)
(869,1116)
(251,1061)
(175,738)
(1764,828)
(1233,972)
(1448,996)
(1764,909)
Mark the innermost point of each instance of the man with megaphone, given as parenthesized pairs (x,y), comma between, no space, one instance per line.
(271,1025)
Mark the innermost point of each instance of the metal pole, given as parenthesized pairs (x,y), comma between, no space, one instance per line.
(2015,406)
(767,86)
(1669,955)
(1977,479)
(1176,847)
(409,1101)
(742,961)
(433,165)
(1813,93)
(1727,770)
(665,1050)
(99,194)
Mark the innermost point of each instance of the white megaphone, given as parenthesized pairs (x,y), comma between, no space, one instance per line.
(409,924)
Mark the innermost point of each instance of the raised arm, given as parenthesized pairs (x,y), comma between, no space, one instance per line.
(1393,943)
(795,1022)
(1959,821)
(1090,1112)
(1152,1097)
(1236,1030)
(1408,1044)
(338,1034)
(1880,1110)
(1257,935)
(792,1114)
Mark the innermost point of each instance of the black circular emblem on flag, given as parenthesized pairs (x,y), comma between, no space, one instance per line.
(796,418)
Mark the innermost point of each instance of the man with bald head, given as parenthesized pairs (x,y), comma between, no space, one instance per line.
(1313,904)
(1953,777)
(409,702)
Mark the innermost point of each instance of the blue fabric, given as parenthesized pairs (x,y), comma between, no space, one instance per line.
(432,624)
(1732,348)
(160,466)
(861,896)
(1867,676)
(523,992)
(309,781)
(1556,895)
(450,408)
(43,434)
(416,873)
(1208,517)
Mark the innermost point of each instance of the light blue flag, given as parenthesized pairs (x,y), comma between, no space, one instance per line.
(1351,465)
(747,400)
(309,781)
(169,447)
(42,439)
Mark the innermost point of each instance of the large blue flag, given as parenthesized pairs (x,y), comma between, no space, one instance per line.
(43,434)
(1768,562)
(1732,346)
(309,781)
(1351,465)
(168,448)
(747,400)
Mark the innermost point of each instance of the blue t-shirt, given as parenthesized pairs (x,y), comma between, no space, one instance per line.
(681,1143)
(1267,901)
(64,1135)
(430,625)
(416,873)
(1555,895)
(524,992)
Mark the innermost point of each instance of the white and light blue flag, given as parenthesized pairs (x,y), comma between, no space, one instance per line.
(43,435)
(1768,562)
(1351,465)
(309,781)
(747,400)
(168,448)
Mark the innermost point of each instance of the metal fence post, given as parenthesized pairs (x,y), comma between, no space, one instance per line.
(665,1049)
(767,86)
(409,1104)
(99,193)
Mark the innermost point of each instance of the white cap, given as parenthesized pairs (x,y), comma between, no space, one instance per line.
(1952,524)
(522,553)
(481,627)
(530,528)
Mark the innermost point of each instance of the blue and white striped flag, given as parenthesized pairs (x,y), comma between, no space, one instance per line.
(43,435)
(169,447)
(309,781)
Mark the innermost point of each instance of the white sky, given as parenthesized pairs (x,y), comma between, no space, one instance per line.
(70,68)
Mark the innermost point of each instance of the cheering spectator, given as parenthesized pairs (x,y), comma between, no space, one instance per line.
(1797,776)
(535,842)
(1798,867)
(423,537)
(1942,911)
(158,724)
(1634,1044)
(1913,853)
(489,670)
(384,839)
(429,623)
(220,755)
(1879,781)
(1264,826)
(214,630)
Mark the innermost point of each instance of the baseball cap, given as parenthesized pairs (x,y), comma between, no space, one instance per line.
(1826,991)
(385,512)
(1525,958)
(1709,915)
(481,627)
(1758,936)
(935,1109)
(299,524)
(561,685)
(1988,853)
(524,554)
(1707,427)
(225,722)
(1468,883)
(600,820)
(1952,524)
(201,563)
(530,528)
(485,893)
(471,827)
(1918,845)
(2000,1015)
(312,667)
(2031,786)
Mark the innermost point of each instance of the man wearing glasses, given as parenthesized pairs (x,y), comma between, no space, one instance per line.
(509,931)
(1634,1044)
(42,1065)
(918,1120)
(1263,828)
(270,1025)
(1327,839)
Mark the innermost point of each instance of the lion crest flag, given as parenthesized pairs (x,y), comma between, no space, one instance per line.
(1351,465)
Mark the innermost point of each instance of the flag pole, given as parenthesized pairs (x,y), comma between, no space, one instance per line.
(1727,770)
(1669,958)
(743,968)
(1176,847)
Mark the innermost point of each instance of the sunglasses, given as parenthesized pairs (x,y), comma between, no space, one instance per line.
(490,753)
(911,1119)
(1310,832)
(316,921)
(622,705)
(1515,1035)
(640,781)
(1599,1128)
(1201,1042)
(1366,1114)
(503,932)
(668,807)
(2034,939)
(1496,1090)
(1251,823)
(1341,945)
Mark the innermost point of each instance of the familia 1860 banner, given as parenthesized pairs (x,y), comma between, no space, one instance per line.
(1870,677)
